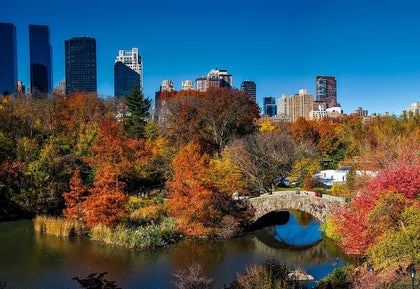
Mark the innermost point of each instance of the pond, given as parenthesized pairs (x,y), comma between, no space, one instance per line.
(33,260)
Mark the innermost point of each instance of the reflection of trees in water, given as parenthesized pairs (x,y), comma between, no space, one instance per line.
(208,253)
(315,254)
(303,218)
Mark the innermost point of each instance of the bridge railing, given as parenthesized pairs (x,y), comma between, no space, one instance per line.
(298,193)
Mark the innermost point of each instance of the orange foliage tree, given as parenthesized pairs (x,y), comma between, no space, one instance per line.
(74,199)
(126,156)
(106,203)
(197,206)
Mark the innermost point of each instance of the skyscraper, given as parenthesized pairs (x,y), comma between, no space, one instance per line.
(40,60)
(270,107)
(128,71)
(8,58)
(187,85)
(326,90)
(251,88)
(201,83)
(80,64)
(299,105)
(219,78)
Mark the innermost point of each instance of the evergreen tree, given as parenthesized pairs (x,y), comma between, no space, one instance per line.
(138,108)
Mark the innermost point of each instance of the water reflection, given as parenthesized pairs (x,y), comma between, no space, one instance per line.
(301,229)
(31,260)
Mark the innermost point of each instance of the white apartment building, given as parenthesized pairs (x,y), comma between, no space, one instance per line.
(132,59)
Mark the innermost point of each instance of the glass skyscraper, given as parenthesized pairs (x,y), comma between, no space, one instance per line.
(251,88)
(270,107)
(128,71)
(8,58)
(80,64)
(40,60)
(326,90)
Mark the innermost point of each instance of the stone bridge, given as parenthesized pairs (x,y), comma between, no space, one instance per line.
(319,207)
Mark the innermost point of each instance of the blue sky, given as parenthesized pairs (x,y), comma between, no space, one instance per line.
(371,47)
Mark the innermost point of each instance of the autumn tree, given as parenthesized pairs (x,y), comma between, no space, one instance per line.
(377,211)
(74,199)
(216,116)
(106,202)
(197,204)
(267,158)
(126,156)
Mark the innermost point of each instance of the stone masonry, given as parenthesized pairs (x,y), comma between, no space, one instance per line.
(319,207)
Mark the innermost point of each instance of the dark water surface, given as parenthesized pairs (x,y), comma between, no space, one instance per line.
(33,260)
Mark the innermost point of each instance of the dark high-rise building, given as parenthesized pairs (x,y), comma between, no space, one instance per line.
(8,58)
(326,90)
(270,107)
(128,71)
(251,88)
(40,60)
(80,64)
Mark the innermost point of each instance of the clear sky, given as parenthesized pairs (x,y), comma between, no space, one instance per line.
(372,47)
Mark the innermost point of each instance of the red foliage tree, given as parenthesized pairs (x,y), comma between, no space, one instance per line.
(106,204)
(378,207)
(74,199)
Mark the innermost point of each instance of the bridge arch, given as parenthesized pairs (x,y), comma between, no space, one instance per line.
(319,207)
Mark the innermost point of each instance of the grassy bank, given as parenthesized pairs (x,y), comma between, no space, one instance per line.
(58,226)
(150,236)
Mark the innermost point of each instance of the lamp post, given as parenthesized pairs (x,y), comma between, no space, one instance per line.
(412,272)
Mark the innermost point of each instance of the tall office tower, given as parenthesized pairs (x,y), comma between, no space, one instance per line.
(8,58)
(251,88)
(19,87)
(128,71)
(326,90)
(80,64)
(299,105)
(201,83)
(40,60)
(282,106)
(219,78)
(167,85)
(62,86)
(270,107)
(187,85)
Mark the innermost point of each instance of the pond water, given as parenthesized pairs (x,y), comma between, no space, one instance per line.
(33,260)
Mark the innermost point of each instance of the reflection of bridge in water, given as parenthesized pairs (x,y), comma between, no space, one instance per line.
(319,207)
(309,255)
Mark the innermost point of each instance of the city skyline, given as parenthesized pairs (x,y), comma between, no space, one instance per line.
(369,50)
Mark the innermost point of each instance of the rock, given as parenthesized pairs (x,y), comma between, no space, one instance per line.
(300,276)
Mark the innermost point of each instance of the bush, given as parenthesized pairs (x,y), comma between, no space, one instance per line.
(229,227)
(58,226)
(192,278)
(270,274)
(155,235)
(149,214)
(340,190)
(341,278)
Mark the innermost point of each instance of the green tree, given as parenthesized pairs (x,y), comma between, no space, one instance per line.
(138,110)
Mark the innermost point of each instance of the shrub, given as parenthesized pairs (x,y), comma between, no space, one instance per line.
(58,226)
(340,190)
(229,227)
(192,278)
(270,274)
(148,214)
(341,278)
